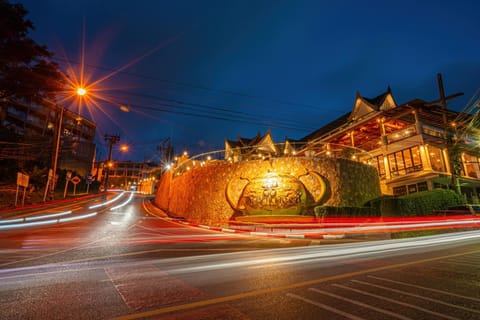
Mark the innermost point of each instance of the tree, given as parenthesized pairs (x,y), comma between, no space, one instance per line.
(26,72)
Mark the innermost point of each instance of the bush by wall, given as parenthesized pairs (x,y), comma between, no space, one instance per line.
(416,204)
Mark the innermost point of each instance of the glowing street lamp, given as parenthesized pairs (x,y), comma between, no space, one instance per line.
(81,91)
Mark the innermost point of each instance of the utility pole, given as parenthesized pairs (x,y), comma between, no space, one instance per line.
(56,152)
(448,131)
(111,140)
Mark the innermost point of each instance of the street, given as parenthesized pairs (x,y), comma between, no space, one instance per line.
(128,263)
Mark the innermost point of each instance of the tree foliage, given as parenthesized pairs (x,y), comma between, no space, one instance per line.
(26,71)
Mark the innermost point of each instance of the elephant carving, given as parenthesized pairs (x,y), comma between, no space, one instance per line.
(275,194)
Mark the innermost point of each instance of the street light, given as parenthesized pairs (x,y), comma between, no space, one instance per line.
(80,92)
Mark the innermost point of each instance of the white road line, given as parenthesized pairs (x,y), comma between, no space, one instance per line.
(396,302)
(426,288)
(418,296)
(358,303)
(324,306)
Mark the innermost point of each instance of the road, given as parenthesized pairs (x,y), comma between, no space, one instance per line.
(129,264)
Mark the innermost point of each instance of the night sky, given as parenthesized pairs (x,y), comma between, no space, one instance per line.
(246,66)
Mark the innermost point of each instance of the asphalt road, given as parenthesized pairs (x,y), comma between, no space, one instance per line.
(129,264)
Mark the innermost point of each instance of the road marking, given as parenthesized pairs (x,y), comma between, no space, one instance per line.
(408,305)
(417,296)
(358,303)
(146,286)
(324,306)
(254,293)
(426,288)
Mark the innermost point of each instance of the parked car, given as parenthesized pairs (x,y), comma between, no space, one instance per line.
(463,209)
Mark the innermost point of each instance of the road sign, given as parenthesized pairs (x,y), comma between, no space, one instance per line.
(22,179)
(89,179)
(75,180)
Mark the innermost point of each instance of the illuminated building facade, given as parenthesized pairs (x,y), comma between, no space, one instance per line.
(414,146)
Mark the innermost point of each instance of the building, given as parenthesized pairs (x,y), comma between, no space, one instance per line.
(38,124)
(415,146)
(128,175)
(247,149)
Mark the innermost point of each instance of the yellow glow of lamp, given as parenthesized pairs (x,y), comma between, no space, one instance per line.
(81,91)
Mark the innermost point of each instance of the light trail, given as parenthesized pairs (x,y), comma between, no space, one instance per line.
(107,202)
(46,222)
(124,203)
(245,260)
(36,217)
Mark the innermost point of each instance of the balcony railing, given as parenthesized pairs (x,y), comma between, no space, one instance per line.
(405,133)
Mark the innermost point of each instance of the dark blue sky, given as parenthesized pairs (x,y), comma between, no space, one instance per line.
(291,66)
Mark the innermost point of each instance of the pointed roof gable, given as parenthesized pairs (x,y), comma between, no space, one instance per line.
(245,142)
(266,143)
(365,106)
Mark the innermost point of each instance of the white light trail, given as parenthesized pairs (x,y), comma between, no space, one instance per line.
(77,217)
(27,224)
(53,215)
(107,202)
(341,251)
(34,218)
(46,222)
(124,203)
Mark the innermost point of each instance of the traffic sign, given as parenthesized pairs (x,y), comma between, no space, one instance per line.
(22,179)
(89,179)
(75,180)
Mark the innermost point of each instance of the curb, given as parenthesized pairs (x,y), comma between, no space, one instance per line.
(159,213)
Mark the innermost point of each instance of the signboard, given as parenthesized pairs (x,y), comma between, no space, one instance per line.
(89,179)
(22,179)
(75,180)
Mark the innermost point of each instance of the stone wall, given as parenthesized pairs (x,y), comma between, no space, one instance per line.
(208,194)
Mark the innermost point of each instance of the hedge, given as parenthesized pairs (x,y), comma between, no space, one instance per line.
(416,204)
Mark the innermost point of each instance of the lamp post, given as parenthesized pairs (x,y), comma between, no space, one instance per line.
(80,92)
(124,148)
(112,140)
(57,148)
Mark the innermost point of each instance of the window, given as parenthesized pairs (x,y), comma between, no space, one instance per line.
(436,159)
(471,165)
(405,161)
(400,191)
(411,188)
(422,186)
(380,165)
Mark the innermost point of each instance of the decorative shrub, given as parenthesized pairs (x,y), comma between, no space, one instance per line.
(416,204)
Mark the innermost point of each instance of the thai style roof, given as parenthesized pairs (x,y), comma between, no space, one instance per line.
(258,143)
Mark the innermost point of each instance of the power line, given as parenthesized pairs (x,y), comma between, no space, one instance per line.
(190,85)
(219,109)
